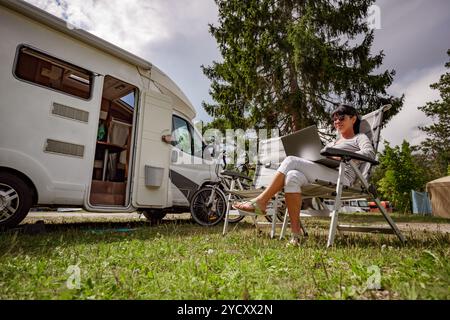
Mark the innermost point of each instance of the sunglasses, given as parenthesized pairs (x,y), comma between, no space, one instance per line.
(340,117)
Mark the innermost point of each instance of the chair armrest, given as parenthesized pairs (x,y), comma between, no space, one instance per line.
(333,152)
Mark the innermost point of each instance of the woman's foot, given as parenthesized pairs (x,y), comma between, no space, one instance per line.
(294,241)
(253,206)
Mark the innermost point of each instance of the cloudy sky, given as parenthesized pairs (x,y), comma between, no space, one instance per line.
(173,34)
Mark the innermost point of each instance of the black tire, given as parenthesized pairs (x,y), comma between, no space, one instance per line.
(208,215)
(16,199)
(280,213)
(154,215)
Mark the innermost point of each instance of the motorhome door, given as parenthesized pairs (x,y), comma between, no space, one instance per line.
(151,172)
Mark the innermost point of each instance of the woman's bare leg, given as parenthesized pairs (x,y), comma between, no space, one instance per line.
(294,204)
(276,185)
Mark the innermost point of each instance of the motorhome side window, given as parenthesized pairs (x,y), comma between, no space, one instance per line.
(44,70)
(182,138)
(186,138)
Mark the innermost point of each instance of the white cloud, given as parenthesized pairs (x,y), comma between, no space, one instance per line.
(416,87)
(50,6)
(171,34)
(132,24)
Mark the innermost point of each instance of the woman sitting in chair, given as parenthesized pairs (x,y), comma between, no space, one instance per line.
(295,172)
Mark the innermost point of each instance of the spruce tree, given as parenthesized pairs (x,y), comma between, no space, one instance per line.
(287,63)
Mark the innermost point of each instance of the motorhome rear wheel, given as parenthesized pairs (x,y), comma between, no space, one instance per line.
(15,200)
(154,215)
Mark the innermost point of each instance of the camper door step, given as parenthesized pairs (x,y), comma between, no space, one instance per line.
(108,187)
(107,199)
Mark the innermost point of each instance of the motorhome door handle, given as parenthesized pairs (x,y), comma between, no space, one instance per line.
(174,156)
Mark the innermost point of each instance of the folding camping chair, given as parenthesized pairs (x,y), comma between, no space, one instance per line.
(371,126)
(273,209)
(270,155)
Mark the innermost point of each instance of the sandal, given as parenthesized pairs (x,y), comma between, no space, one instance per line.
(257,210)
(293,242)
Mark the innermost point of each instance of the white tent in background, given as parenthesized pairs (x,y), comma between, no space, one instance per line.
(439,191)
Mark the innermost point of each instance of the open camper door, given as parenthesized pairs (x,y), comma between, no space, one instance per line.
(151,172)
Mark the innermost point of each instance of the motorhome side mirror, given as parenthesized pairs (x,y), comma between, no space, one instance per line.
(167,138)
(211,150)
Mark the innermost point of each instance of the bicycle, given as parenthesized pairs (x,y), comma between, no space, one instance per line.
(210,203)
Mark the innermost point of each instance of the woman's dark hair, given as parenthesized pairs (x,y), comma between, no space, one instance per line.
(345,109)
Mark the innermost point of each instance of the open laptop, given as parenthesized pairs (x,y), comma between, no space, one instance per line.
(306,144)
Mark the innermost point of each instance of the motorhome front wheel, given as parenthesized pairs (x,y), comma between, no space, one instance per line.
(15,200)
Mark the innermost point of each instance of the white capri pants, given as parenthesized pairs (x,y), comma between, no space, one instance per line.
(300,172)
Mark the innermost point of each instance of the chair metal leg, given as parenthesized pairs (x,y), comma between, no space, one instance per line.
(274,217)
(272,232)
(305,233)
(333,226)
(227,212)
(337,206)
(389,220)
(285,223)
(377,201)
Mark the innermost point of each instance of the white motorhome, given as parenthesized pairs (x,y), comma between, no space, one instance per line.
(350,206)
(85,123)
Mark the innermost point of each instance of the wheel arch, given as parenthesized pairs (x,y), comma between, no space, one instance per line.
(26,179)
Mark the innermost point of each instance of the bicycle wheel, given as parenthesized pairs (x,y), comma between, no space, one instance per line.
(280,212)
(206,211)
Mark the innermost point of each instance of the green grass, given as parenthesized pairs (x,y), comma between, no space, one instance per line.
(180,260)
